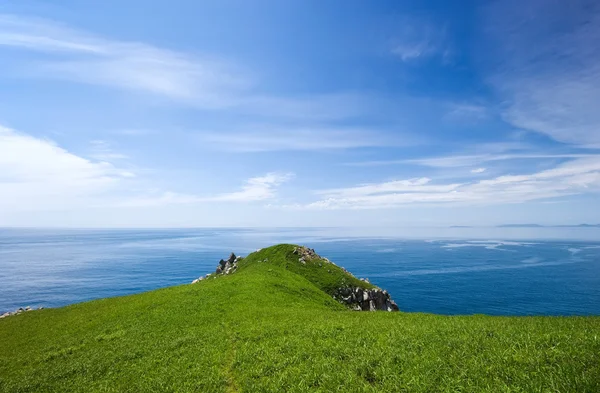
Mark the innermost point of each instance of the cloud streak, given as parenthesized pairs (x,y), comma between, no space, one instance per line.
(203,81)
(264,139)
(458,161)
(77,56)
(571,178)
(417,40)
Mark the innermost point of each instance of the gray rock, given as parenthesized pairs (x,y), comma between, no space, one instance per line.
(366,299)
(228,266)
(198,280)
(372,306)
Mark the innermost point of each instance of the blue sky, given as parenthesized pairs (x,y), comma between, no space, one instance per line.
(299,113)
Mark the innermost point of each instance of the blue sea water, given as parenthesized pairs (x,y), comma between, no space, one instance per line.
(52,268)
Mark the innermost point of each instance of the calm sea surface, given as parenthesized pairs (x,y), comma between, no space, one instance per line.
(53,268)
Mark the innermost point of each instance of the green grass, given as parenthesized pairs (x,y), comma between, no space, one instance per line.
(271,327)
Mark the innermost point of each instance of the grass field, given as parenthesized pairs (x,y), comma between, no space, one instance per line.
(273,327)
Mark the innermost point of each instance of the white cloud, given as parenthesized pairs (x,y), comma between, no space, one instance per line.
(36,174)
(258,139)
(578,176)
(396,186)
(478,170)
(255,189)
(547,66)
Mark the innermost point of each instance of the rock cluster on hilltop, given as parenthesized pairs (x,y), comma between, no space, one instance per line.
(19,311)
(360,299)
(305,254)
(355,297)
(224,267)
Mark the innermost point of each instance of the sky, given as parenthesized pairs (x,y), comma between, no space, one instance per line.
(261,113)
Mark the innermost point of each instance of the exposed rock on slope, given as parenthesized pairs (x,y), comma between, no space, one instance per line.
(366,299)
(228,266)
(19,311)
(224,267)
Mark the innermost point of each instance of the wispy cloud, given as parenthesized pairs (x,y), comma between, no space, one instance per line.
(103,151)
(204,81)
(571,178)
(478,170)
(396,186)
(255,189)
(78,56)
(419,39)
(457,161)
(260,139)
(413,50)
(548,71)
(467,113)
(258,188)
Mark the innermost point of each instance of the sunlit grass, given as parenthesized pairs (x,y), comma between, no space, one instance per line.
(271,327)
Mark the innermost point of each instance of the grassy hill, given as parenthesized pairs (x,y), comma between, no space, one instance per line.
(272,326)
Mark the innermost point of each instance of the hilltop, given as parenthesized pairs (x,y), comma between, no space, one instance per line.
(281,320)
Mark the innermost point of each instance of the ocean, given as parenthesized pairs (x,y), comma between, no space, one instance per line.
(53,268)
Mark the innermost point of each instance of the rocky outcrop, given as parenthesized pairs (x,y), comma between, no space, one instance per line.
(228,266)
(19,311)
(224,267)
(360,299)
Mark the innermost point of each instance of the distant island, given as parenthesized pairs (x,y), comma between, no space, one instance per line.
(529,226)
(520,226)
(282,319)
(548,226)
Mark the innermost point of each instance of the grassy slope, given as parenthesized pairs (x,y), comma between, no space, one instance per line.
(267,328)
